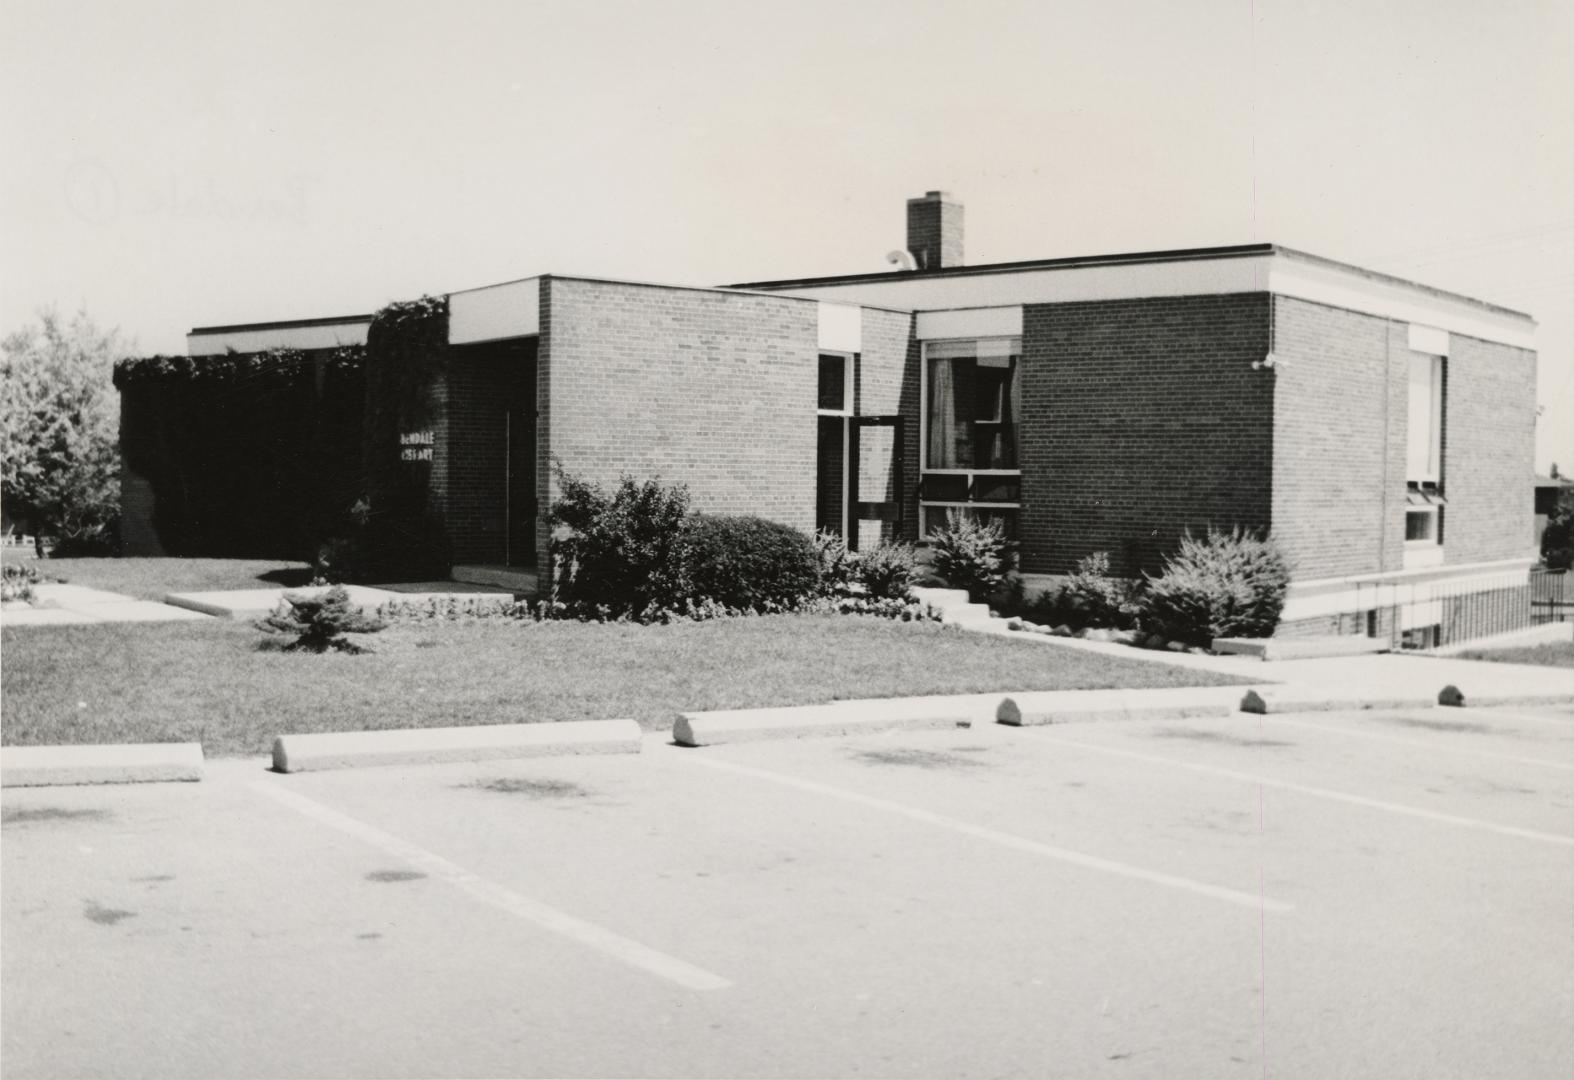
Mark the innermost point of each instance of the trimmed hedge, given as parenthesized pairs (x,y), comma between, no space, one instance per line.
(748,563)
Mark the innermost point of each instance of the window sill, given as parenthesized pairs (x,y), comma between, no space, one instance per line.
(1422,554)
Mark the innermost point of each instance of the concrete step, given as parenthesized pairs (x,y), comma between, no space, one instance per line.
(942,598)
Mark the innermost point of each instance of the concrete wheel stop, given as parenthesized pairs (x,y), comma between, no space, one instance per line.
(117,763)
(1096,706)
(431,746)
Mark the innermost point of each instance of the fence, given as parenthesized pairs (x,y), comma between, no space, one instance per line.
(1551,596)
(1429,615)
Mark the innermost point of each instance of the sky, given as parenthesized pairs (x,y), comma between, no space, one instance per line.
(169,165)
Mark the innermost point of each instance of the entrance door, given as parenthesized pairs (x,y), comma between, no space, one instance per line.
(519,504)
(876,479)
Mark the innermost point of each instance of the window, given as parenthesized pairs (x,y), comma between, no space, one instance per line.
(1424,502)
(1421,526)
(835,396)
(1424,456)
(969,443)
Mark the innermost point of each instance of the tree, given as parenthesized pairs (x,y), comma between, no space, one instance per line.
(59,422)
(1557,542)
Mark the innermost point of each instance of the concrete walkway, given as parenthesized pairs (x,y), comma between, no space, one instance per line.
(245,604)
(1382,674)
(63,605)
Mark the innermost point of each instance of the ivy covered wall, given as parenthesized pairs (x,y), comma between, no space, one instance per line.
(239,455)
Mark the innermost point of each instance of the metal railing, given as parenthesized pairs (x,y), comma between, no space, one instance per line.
(1432,614)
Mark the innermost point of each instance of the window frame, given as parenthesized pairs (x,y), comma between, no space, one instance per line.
(1013,349)
(849,383)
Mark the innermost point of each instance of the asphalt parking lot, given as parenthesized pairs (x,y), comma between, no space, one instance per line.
(1328,894)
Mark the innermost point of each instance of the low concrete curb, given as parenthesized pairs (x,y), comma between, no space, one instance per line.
(1291,699)
(1097,706)
(1453,696)
(430,746)
(836,718)
(124,763)
(1300,648)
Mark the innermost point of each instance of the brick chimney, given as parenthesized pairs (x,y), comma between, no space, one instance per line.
(934,230)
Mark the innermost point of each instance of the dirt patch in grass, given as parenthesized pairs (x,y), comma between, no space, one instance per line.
(208,682)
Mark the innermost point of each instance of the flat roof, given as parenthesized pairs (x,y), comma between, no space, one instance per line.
(1237,251)
(285,324)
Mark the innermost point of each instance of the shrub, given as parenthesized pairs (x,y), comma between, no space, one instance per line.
(888,570)
(838,566)
(971,555)
(748,563)
(621,552)
(1092,597)
(1557,542)
(18,582)
(321,622)
(1226,585)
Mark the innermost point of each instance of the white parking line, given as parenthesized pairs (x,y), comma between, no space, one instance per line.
(602,940)
(1316,792)
(979,832)
(1361,733)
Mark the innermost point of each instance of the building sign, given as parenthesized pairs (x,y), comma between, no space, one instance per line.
(416,445)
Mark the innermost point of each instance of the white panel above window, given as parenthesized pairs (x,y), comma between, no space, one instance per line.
(841,327)
(1428,339)
(970,323)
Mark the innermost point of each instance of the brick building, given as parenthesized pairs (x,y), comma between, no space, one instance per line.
(1383,430)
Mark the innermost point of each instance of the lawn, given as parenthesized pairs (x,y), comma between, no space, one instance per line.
(219,684)
(1552,654)
(153,579)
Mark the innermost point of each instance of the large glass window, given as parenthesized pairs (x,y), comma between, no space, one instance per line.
(972,404)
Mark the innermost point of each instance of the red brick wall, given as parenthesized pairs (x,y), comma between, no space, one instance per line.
(1339,481)
(713,390)
(1489,425)
(1140,419)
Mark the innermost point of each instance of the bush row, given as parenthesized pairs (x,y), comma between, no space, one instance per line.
(638,553)
(1226,584)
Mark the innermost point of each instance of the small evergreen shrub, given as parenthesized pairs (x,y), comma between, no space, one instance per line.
(888,570)
(971,555)
(747,563)
(621,551)
(321,622)
(1228,584)
(1093,597)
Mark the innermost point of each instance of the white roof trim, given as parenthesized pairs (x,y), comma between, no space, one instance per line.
(1282,272)
(331,336)
(495,312)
